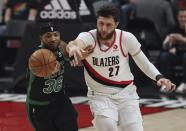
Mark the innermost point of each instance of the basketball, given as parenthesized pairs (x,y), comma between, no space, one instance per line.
(42,62)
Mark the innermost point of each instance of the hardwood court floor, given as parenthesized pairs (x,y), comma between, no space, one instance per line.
(173,120)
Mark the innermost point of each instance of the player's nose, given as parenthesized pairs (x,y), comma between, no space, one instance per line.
(53,38)
(104,28)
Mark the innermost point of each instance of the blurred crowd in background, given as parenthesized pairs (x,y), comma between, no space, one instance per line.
(159,25)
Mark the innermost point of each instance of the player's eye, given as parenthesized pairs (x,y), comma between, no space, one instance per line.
(48,35)
(101,24)
(109,25)
(56,34)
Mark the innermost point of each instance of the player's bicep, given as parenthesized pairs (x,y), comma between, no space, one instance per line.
(132,44)
(86,38)
(88,49)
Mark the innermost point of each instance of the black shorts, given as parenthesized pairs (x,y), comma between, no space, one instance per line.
(57,116)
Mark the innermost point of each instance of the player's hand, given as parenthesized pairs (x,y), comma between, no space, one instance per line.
(57,68)
(87,51)
(77,54)
(166,85)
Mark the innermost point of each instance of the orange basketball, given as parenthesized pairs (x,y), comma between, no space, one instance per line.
(42,62)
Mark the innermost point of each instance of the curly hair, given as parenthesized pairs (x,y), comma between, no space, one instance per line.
(109,10)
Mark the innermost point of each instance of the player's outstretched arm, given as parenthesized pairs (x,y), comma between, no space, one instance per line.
(151,71)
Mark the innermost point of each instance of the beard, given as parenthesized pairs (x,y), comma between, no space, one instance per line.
(107,37)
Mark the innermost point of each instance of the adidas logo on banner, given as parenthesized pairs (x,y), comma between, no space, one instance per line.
(58,9)
(83,9)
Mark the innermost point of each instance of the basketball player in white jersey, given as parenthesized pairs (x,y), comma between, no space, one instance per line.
(112,94)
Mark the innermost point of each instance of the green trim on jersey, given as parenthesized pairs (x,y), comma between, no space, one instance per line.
(28,100)
(39,103)
(28,114)
(31,79)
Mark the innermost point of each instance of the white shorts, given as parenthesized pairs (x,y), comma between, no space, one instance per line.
(121,109)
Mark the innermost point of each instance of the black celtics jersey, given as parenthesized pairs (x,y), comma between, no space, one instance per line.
(43,90)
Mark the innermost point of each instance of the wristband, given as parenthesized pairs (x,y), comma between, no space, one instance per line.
(159,77)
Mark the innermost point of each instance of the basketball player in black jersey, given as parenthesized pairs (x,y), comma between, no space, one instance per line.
(48,107)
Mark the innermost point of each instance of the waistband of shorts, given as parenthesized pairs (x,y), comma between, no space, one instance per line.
(92,93)
(120,85)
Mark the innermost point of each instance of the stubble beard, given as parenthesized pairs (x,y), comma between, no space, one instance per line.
(108,36)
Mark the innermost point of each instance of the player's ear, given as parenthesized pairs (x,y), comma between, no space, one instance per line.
(117,23)
(40,37)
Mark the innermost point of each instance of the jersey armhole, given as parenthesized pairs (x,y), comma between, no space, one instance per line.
(123,45)
(93,38)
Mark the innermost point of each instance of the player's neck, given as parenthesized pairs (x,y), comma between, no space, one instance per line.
(107,42)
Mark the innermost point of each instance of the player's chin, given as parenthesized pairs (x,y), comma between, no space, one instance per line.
(52,47)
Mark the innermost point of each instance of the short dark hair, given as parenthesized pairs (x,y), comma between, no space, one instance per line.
(48,27)
(109,10)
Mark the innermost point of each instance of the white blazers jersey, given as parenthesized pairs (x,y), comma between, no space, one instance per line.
(107,68)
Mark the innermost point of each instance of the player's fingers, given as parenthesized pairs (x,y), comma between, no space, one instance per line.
(165,84)
(76,60)
(73,63)
(169,86)
(173,87)
(159,83)
(71,58)
(165,89)
(79,52)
